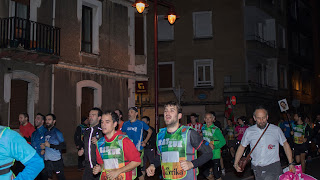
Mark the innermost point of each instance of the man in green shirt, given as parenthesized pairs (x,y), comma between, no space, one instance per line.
(212,134)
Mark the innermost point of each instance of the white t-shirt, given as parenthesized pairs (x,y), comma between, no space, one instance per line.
(267,150)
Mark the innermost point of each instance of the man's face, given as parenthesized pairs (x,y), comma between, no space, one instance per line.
(107,124)
(229,123)
(23,120)
(132,114)
(94,118)
(296,117)
(38,121)
(171,116)
(261,118)
(50,122)
(208,118)
(145,120)
(240,122)
(318,118)
(193,119)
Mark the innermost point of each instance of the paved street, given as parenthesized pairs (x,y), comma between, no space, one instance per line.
(312,169)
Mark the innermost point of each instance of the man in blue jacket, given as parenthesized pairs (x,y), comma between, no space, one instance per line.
(54,143)
(37,138)
(15,147)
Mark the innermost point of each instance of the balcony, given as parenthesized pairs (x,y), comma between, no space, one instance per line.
(18,33)
(251,91)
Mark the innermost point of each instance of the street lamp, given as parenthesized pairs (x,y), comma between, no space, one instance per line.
(140,5)
(171,18)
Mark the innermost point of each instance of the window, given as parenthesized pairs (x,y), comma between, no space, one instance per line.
(166,75)
(283,77)
(266,32)
(303,45)
(86,37)
(263,75)
(165,30)
(139,34)
(296,80)
(203,73)
(202,24)
(293,10)
(89,12)
(281,37)
(227,80)
(295,42)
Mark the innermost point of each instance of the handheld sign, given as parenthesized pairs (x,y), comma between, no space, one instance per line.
(283,105)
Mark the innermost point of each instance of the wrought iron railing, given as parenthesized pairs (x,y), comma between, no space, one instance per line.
(22,33)
(272,44)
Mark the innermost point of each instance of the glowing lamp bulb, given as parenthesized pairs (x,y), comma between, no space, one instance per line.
(140,7)
(172,18)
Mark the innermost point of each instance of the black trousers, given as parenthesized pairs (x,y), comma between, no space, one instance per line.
(57,167)
(88,174)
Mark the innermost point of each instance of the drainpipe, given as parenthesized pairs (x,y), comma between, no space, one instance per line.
(52,70)
(53,12)
(52,89)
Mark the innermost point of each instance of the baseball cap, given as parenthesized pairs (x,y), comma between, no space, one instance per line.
(133,108)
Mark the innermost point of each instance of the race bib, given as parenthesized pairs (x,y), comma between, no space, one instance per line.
(110,163)
(297,134)
(170,157)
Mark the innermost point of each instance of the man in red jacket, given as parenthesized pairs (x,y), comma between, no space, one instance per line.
(26,128)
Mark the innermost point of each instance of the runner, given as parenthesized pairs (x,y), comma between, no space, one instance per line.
(177,146)
(15,147)
(213,135)
(301,133)
(117,156)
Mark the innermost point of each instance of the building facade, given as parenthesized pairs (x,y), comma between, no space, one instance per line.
(65,57)
(219,49)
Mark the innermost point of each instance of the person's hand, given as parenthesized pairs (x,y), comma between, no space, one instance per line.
(42,152)
(291,132)
(292,168)
(211,145)
(186,165)
(113,174)
(94,140)
(151,170)
(81,152)
(47,144)
(96,169)
(143,144)
(238,169)
(42,146)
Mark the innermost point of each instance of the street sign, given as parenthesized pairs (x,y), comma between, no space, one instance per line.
(141,87)
(233,100)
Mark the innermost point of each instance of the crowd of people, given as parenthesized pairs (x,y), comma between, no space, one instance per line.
(111,148)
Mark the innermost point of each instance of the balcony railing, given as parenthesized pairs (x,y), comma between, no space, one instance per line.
(272,44)
(248,87)
(22,33)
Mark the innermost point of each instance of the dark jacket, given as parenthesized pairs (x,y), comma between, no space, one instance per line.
(151,144)
(90,148)
(78,135)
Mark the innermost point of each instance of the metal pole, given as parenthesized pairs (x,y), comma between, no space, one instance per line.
(156,64)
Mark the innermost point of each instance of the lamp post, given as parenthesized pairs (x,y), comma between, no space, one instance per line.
(140,5)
